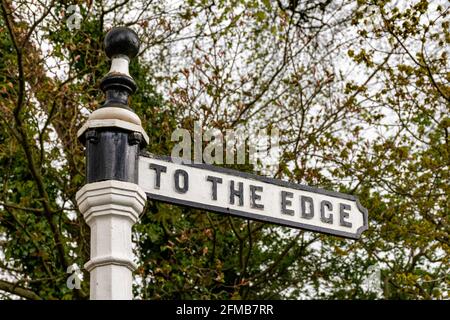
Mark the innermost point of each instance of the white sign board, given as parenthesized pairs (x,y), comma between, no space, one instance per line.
(250,196)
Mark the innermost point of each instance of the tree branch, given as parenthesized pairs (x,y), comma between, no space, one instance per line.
(14,206)
(24,139)
(19,291)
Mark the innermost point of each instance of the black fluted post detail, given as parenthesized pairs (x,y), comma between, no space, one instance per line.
(112,152)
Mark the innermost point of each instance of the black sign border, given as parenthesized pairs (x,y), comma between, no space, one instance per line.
(252,216)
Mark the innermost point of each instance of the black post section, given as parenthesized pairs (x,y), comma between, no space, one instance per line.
(112,152)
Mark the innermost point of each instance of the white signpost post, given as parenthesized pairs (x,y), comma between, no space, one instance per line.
(250,196)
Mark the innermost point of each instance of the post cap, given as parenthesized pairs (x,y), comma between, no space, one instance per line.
(121,41)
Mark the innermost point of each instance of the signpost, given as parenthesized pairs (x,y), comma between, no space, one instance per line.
(250,196)
(120,176)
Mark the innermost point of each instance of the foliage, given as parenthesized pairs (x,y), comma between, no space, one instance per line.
(359,89)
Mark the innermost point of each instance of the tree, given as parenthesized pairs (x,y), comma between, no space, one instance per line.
(359,90)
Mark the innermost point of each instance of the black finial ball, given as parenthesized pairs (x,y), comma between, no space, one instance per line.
(121,40)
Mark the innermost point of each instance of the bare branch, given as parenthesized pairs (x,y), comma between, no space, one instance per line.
(17,290)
